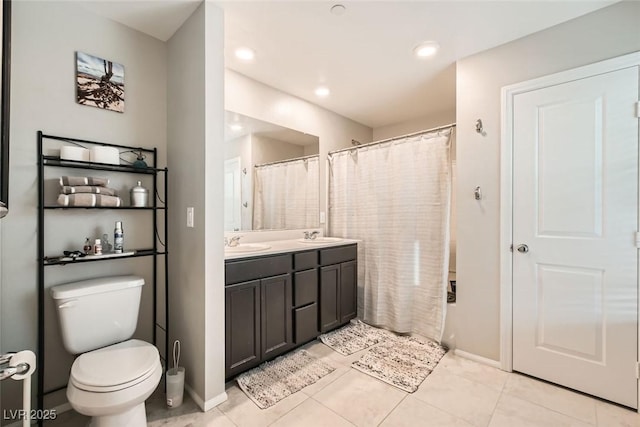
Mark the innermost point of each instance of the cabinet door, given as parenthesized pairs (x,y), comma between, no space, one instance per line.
(329,297)
(276,310)
(242,327)
(348,291)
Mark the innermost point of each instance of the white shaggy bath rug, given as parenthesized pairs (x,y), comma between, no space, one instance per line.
(403,362)
(354,337)
(272,381)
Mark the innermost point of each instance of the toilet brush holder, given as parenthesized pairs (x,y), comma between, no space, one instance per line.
(175,387)
(175,379)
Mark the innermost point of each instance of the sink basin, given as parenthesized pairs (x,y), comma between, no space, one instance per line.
(246,247)
(319,240)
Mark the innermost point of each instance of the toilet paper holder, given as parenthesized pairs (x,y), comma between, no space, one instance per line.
(21,366)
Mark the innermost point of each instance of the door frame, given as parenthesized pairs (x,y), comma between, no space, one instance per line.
(508,94)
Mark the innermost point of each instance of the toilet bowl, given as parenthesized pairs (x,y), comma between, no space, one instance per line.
(113,374)
(111,384)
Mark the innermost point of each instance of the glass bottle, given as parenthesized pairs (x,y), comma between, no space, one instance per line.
(87,247)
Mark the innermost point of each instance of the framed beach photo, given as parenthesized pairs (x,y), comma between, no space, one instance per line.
(99,82)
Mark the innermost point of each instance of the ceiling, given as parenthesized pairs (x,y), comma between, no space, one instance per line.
(364,55)
(157,18)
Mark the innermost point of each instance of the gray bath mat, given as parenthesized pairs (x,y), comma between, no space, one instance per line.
(354,337)
(403,362)
(272,381)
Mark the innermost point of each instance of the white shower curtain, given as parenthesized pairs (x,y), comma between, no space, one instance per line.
(395,197)
(286,194)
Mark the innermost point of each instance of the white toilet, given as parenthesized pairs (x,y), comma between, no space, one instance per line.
(114,375)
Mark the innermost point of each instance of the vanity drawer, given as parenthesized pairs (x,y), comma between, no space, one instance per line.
(305,260)
(306,323)
(337,255)
(245,270)
(305,287)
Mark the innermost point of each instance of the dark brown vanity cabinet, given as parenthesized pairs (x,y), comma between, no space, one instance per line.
(274,303)
(338,286)
(258,317)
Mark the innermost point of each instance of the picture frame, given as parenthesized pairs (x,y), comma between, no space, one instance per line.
(99,82)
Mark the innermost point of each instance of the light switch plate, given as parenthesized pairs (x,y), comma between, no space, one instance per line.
(322,217)
(190,217)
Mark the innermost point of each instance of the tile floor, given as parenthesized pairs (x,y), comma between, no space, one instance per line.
(459,393)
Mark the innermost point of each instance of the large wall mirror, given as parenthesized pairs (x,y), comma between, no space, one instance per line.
(271,176)
(4,105)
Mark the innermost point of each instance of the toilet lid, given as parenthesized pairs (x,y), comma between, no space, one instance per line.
(117,365)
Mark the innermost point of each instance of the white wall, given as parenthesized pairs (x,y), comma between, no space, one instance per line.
(267,150)
(603,34)
(239,147)
(196,161)
(46,36)
(415,125)
(254,99)
(214,232)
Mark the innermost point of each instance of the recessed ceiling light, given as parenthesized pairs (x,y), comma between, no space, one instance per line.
(338,9)
(236,127)
(322,91)
(245,54)
(426,49)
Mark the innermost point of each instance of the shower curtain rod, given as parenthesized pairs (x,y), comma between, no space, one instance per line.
(451,125)
(287,161)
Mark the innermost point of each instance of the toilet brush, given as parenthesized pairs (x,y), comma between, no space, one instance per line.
(175,379)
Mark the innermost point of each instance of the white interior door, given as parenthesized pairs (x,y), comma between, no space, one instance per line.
(575,207)
(232,195)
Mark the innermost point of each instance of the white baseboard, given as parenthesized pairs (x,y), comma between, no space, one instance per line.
(479,359)
(209,404)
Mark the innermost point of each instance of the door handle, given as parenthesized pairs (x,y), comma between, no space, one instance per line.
(523,249)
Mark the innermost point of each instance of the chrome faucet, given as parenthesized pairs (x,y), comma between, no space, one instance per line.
(311,235)
(232,242)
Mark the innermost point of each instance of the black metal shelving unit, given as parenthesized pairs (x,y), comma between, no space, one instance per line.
(45,161)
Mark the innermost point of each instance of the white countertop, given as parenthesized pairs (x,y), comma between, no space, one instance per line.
(284,246)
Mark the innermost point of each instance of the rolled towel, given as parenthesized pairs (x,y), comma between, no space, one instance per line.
(70,189)
(83,180)
(89,200)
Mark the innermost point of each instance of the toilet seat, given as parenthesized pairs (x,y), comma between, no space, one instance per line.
(115,367)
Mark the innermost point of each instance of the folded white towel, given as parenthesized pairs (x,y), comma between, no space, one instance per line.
(73,189)
(89,200)
(83,180)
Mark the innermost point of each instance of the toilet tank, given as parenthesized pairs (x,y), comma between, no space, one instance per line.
(98,312)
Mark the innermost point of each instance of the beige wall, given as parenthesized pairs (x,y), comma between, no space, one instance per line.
(415,125)
(196,161)
(46,36)
(603,34)
(267,150)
